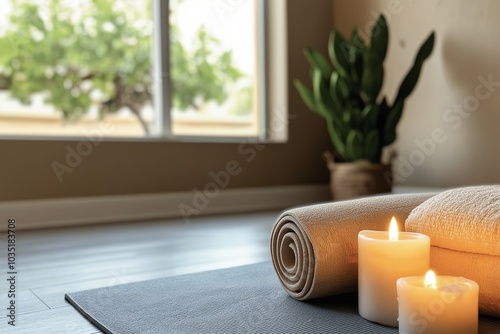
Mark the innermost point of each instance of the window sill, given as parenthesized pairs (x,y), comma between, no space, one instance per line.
(117,128)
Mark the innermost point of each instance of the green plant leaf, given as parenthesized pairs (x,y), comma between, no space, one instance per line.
(354,145)
(306,95)
(383,112)
(338,101)
(317,60)
(338,49)
(346,117)
(324,103)
(336,138)
(372,146)
(392,122)
(369,117)
(379,40)
(342,88)
(372,80)
(357,41)
(411,79)
(356,118)
(356,45)
(334,92)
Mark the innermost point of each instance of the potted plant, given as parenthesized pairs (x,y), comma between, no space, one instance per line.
(360,124)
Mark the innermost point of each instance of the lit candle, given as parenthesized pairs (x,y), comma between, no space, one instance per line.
(383,257)
(443,304)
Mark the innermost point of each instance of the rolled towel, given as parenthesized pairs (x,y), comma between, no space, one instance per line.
(314,249)
(464,227)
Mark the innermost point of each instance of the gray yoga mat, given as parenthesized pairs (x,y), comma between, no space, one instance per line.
(247,299)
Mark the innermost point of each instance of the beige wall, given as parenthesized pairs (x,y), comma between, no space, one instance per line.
(145,167)
(467,47)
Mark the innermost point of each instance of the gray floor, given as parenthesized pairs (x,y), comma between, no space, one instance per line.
(54,262)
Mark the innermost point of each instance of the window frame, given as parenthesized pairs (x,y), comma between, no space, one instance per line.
(162,62)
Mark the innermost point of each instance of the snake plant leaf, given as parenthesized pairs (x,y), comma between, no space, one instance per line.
(316,60)
(338,51)
(343,88)
(338,101)
(336,139)
(357,69)
(357,41)
(410,81)
(369,117)
(354,145)
(356,118)
(306,95)
(334,92)
(372,146)
(383,112)
(379,40)
(372,80)
(321,94)
(391,122)
(356,45)
(346,117)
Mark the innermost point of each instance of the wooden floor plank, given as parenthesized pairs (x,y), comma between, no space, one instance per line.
(138,263)
(26,302)
(62,320)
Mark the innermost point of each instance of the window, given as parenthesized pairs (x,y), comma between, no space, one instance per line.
(171,69)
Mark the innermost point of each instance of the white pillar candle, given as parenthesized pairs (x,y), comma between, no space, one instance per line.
(383,257)
(443,304)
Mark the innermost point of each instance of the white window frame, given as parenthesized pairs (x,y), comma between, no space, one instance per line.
(162,62)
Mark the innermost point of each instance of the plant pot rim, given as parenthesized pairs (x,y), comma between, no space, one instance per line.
(360,165)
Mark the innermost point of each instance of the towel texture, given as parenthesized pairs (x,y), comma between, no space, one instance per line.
(464,227)
(315,249)
(481,268)
(464,219)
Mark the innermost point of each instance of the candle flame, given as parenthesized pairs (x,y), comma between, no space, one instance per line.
(393,229)
(430,279)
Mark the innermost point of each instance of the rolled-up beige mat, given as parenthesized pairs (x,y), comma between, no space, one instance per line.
(315,248)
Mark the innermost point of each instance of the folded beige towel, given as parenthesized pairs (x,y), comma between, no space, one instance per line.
(314,249)
(464,219)
(481,268)
(464,227)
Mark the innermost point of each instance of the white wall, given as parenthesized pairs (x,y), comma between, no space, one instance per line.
(467,47)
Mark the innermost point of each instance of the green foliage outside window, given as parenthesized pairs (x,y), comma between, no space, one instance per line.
(102,56)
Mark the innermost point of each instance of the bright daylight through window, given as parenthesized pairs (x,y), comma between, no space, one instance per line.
(73,67)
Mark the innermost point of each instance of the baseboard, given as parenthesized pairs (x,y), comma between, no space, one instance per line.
(94,210)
